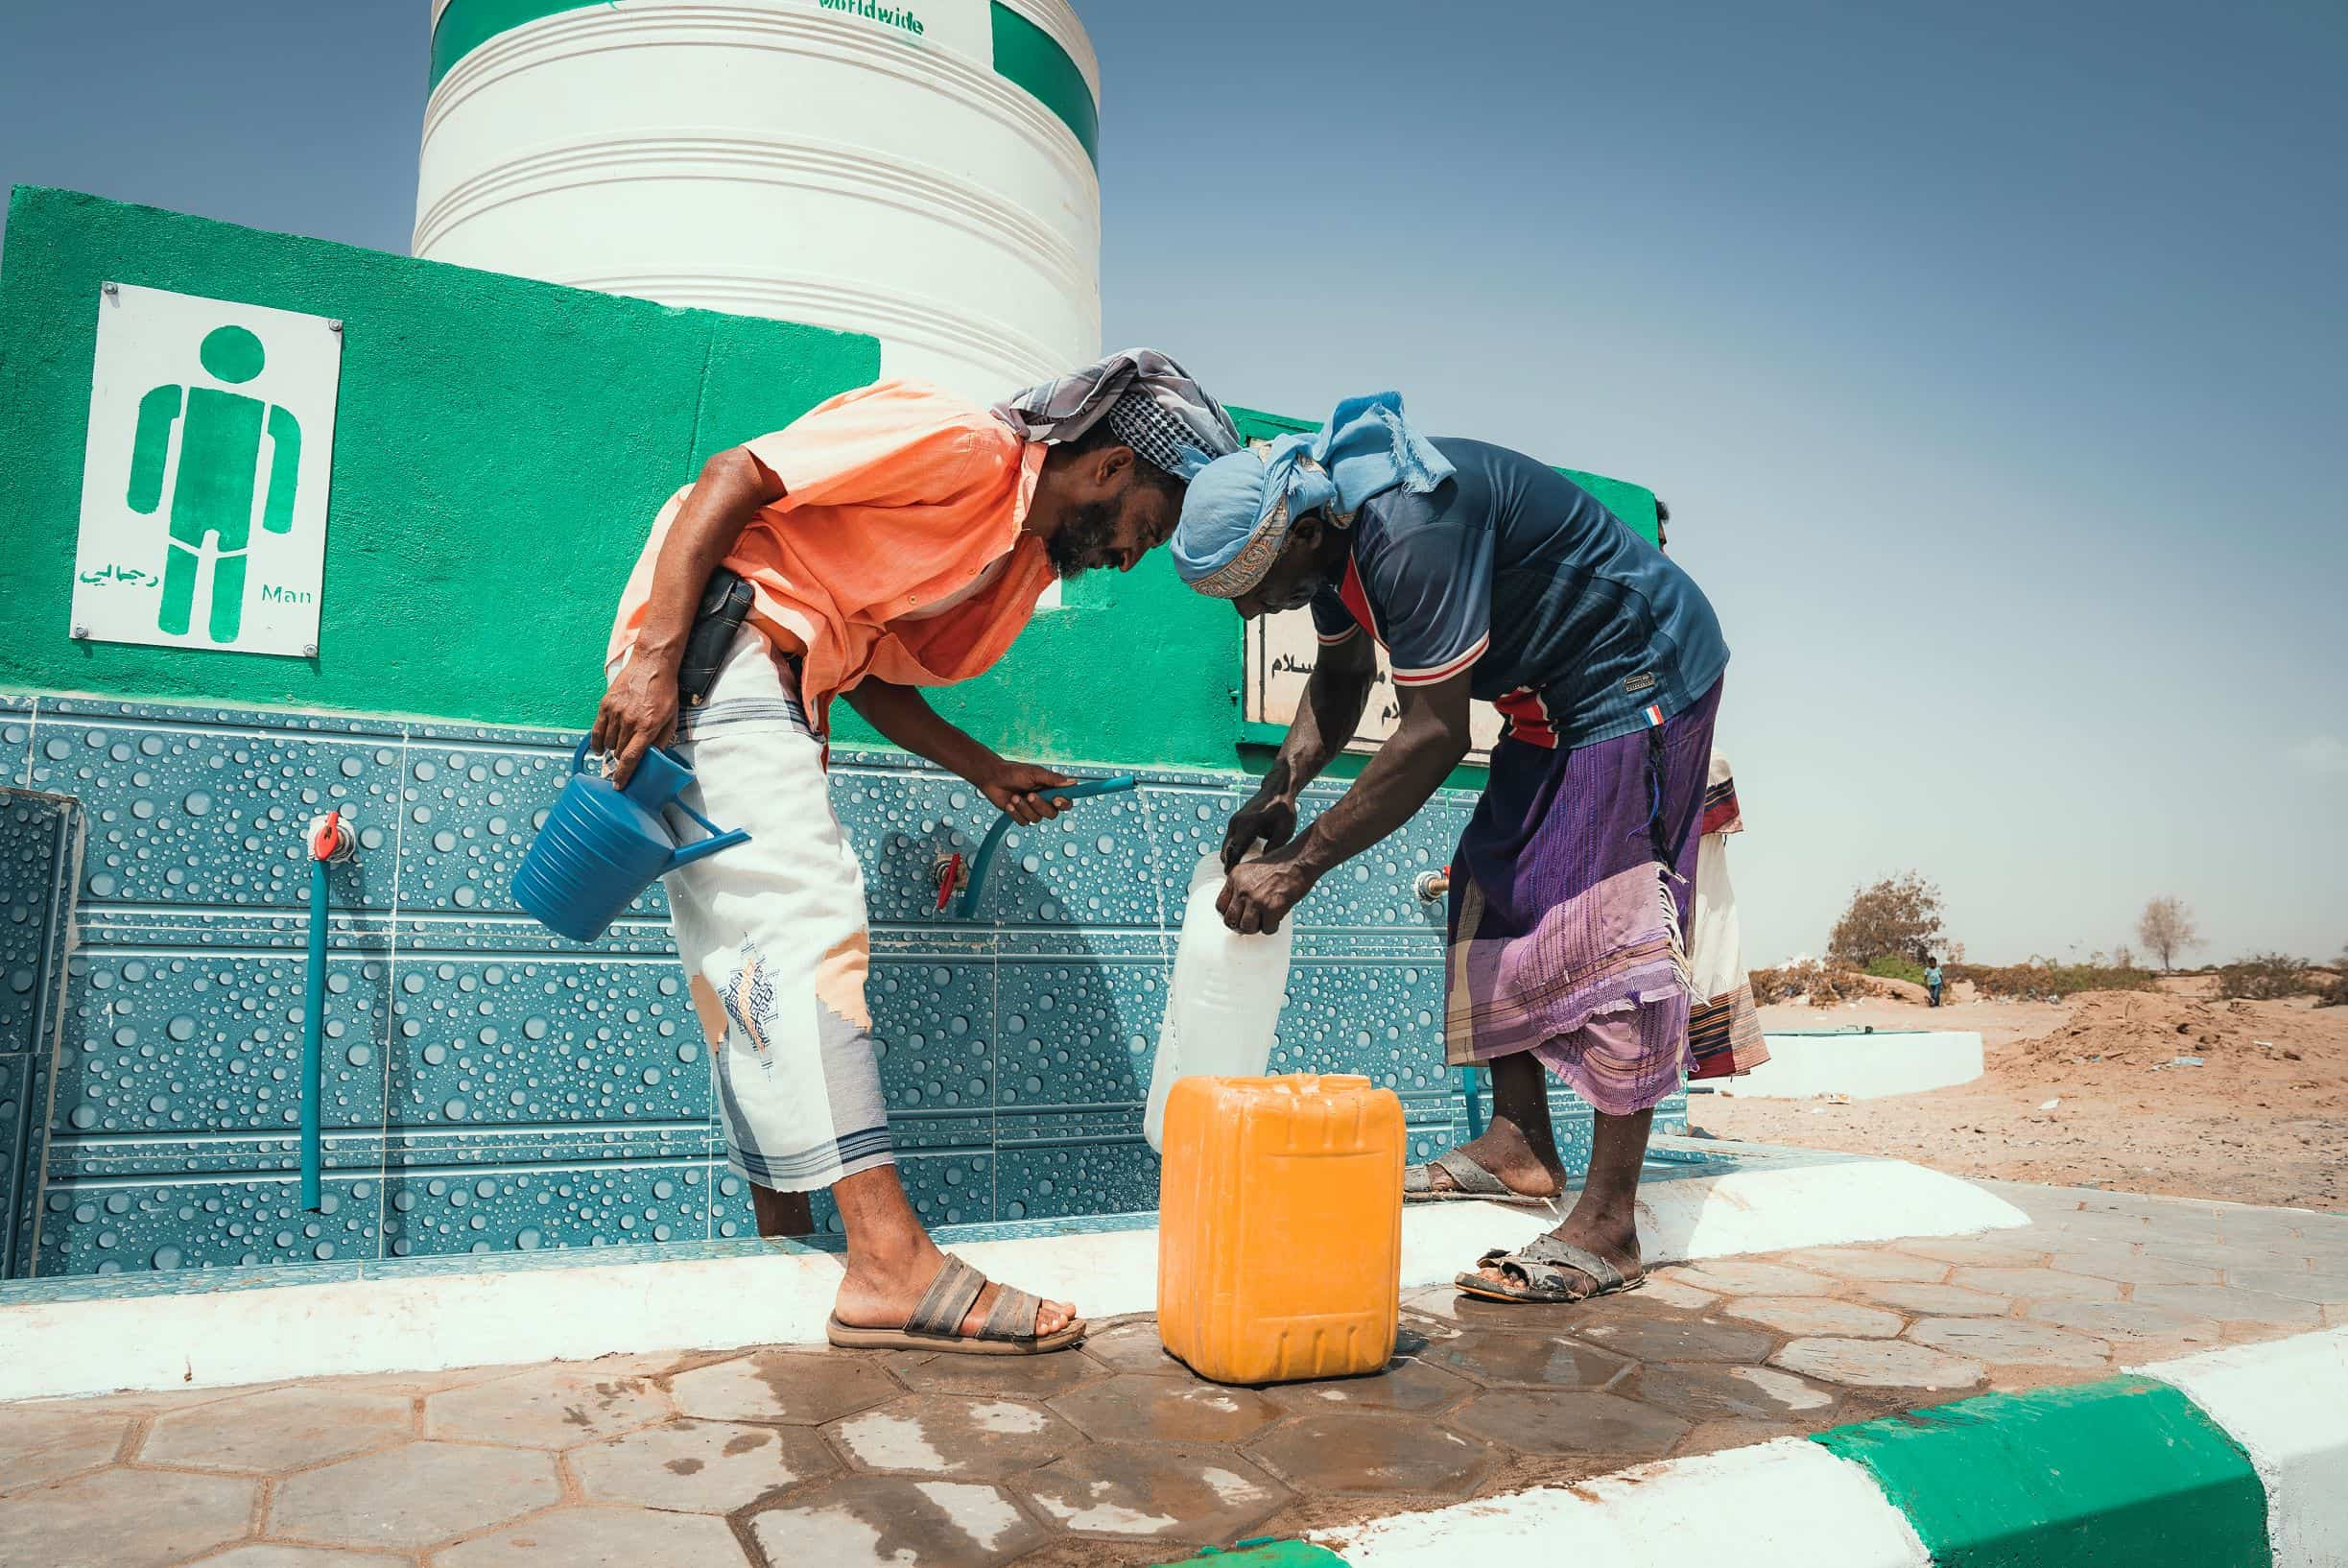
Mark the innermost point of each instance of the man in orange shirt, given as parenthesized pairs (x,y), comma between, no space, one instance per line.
(891,539)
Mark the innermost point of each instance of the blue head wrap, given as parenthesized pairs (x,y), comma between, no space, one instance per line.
(1238,511)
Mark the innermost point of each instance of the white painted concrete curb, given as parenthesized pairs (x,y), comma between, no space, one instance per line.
(1787,1504)
(228,1334)
(1863,1066)
(2287,1403)
(1792,1504)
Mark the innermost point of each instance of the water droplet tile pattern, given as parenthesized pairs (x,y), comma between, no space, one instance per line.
(39,847)
(491,1089)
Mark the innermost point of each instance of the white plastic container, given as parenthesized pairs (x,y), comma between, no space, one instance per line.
(1223,1007)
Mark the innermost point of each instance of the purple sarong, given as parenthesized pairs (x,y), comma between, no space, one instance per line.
(1567,935)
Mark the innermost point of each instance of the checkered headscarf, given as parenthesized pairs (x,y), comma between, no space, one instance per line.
(1151,403)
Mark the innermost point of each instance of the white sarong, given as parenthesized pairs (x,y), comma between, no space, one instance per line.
(1724,1029)
(773,935)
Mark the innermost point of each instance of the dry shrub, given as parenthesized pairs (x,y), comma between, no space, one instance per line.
(1809,979)
(2265,976)
(2041,980)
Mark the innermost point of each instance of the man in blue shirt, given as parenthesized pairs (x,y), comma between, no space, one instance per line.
(1488,575)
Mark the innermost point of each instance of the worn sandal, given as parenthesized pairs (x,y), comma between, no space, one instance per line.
(936,1323)
(1538,1269)
(1470,1184)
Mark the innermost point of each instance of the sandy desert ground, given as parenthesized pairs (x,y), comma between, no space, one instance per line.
(2264,1119)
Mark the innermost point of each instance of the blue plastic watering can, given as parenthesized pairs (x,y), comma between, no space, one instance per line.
(602,845)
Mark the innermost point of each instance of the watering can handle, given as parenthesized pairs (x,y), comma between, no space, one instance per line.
(687,854)
(578,764)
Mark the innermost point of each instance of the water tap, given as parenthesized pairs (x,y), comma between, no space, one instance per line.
(331,838)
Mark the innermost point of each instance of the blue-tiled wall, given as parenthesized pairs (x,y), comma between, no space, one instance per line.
(490,1088)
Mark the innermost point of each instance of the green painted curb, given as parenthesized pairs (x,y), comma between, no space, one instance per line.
(1268,1555)
(2113,1474)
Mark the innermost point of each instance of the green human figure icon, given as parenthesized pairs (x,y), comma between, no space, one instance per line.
(220,451)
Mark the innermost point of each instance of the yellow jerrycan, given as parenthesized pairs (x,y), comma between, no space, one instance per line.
(1280,1226)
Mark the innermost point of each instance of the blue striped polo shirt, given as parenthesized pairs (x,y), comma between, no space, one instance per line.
(1572,624)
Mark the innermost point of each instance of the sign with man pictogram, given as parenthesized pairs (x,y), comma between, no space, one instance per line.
(204,477)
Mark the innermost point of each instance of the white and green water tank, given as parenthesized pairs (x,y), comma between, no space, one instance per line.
(920,170)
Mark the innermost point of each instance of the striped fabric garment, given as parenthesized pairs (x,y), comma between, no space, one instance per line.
(773,939)
(1724,1031)
(1566,931)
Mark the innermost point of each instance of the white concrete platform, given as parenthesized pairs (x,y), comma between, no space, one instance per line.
(1862,1066)
(265,1325)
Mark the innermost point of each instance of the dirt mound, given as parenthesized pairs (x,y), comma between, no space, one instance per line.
(2152,1027)
(2092,1092)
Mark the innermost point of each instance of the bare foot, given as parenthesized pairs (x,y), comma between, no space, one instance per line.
(883,1295)
(1506,1153)
(1618,1244)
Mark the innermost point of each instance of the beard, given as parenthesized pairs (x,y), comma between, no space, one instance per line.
(1082,541)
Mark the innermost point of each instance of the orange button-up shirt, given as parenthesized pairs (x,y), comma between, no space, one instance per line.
(899,499)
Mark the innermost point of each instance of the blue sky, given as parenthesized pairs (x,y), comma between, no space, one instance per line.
(1987,356)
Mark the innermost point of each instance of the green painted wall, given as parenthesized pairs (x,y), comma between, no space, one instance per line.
(499,448)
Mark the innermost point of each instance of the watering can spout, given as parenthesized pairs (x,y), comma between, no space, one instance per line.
(704,848)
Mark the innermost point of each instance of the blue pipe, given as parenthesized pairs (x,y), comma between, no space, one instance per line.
(986,856)
(1475,1105)
(313,1028)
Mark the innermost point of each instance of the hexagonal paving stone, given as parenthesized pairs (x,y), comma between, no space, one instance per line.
(1815,1315)
(2131,1326)
(803,1388)
(278,1429)
(125,1518)
(1679,1339)
(547,1407)
(410,1496)
(1348,1451)
(1668,1291)
(1940,1300)
(701,1466)
(1410,1384)
(1132,1347)
(1155,1491)
(2126,1264)
(2010,1342)
(272,1554)
(947,1435)
(1604,1426)
(2324,1290)
(1737,1276)
(38,1446)
(1527,1361)
(1016,1377)
(1729,1393)
(1868,1263)
(2218,1254)
(1878,1364)
(600,1537)
(2229,1305)
(887,1521)
(1168,1410)
(1989,1251)
(2037,1284)
(1447,1309)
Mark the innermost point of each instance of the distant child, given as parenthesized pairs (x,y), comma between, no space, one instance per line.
(1932,981)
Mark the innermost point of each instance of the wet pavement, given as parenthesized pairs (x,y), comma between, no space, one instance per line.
(1115,1454)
